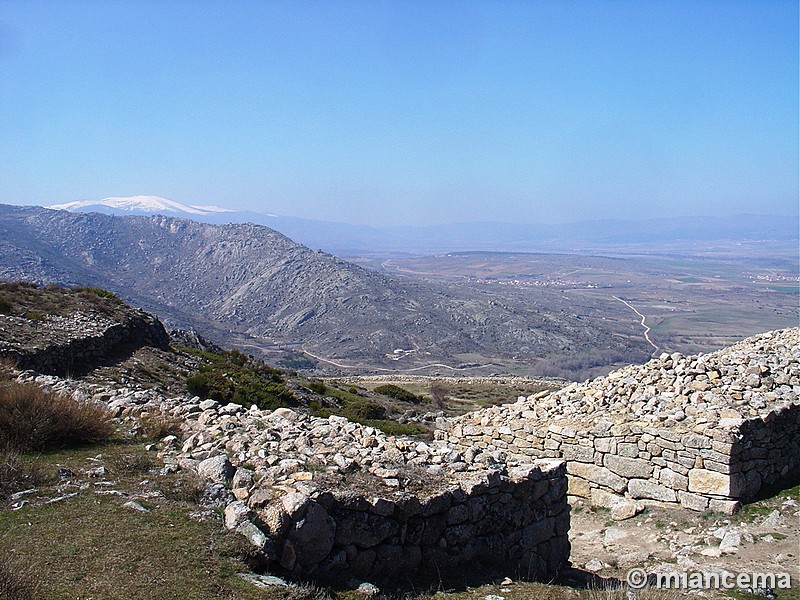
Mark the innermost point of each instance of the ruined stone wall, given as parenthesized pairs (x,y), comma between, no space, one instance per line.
(517,519)
(707,432)
(81,341)
(328,498)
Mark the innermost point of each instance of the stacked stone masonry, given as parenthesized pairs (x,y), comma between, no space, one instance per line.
(78,342)
(327,498)
(517,519)
(706,432)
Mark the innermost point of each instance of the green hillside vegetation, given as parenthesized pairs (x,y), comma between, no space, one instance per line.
(231,376)
(398,393)
(358,409)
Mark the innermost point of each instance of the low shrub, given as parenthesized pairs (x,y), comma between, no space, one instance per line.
(186,486)
(318,387)
(398,393)
(361,410)
(32,418)
(233,377)
(98,292)
(131,463)
(17,582)
(439,392)
(5,306)
(7,367)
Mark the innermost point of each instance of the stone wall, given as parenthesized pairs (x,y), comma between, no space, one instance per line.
(329,498)
(707,431)
(517,519)
(81,342)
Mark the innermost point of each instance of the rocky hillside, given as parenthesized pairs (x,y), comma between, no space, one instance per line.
(249,286)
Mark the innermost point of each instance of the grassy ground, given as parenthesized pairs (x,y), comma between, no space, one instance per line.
(90,546)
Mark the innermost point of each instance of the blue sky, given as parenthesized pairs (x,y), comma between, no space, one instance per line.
(405,112)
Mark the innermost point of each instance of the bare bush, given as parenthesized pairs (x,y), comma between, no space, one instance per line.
(32,418)
(439,392)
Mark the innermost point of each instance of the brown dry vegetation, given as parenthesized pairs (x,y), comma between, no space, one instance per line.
(32,418)
(155,427)
(16,581)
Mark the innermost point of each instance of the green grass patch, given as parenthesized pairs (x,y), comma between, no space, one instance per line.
(359,410)
(762,508)
(99,292)
(231,376)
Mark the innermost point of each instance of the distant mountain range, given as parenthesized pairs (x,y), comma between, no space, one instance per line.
(249,286)
(353,240)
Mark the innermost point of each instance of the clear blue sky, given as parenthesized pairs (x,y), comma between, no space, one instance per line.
(405,112)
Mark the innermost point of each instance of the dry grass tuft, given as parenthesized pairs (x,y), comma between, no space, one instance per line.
(131,463)
(186,486)
(156,427)
(307,591)
(16,583)
(15,474)
(7,368)
(625,593)
(32,418)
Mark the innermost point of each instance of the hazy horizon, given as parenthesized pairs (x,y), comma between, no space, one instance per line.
(380,113)
(566,221)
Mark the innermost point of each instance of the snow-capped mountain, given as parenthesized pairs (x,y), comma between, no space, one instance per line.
(138,205)
(337,238)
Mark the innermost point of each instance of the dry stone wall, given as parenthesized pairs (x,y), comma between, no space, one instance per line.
(518,519)
(73,344)
(328,498)
(707,431)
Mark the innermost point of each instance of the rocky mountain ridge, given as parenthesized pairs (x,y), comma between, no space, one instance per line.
(249,286)
(357,240)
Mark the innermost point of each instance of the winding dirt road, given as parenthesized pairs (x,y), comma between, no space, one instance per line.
(644,323)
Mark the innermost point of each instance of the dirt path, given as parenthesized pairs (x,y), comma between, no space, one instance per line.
(762,538)
(385,370)
(644,323)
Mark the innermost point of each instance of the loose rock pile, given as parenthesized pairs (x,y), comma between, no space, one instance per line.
(706,431)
